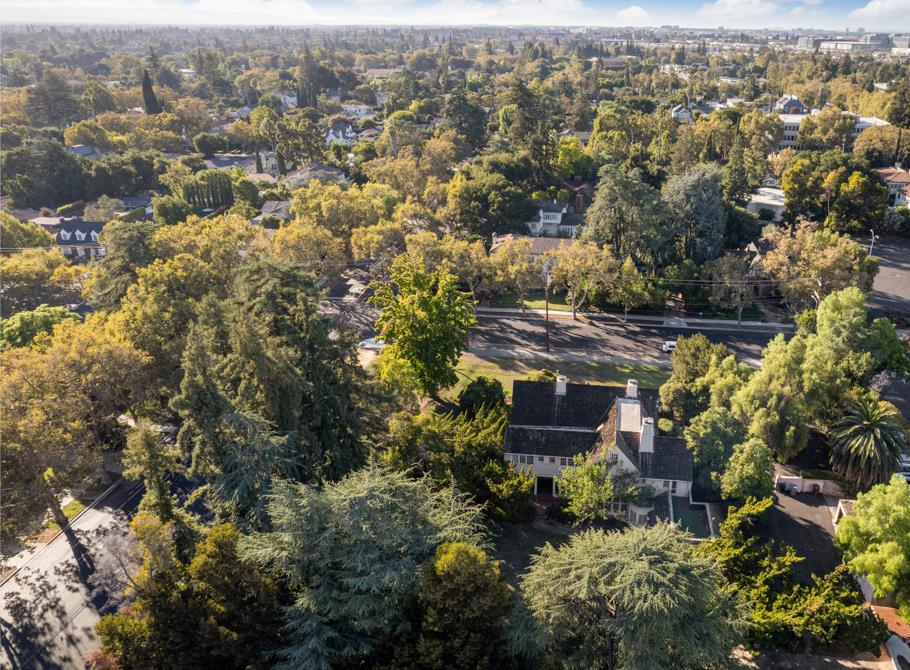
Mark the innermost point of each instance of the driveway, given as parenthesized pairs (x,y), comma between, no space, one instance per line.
(803,521)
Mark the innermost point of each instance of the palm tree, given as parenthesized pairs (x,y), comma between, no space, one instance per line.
(867,443)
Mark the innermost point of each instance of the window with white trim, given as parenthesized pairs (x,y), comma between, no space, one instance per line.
(80,235)
(64,235)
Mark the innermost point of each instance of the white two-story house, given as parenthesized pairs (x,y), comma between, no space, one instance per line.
(898,183)
(554,219)
(551,423)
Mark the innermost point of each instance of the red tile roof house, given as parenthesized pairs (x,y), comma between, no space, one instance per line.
(898,183)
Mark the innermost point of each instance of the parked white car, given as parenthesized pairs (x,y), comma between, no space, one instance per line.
(372,343)
(668,346)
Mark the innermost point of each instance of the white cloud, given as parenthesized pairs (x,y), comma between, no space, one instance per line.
(883,9)
(737,9)
(633,15)
(301,12)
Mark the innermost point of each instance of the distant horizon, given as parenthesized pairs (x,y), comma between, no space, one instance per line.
(829,15)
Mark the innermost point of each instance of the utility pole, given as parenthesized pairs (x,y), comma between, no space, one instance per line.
(546,300)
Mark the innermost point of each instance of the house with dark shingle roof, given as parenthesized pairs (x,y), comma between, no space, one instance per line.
(554,219)
(552,423)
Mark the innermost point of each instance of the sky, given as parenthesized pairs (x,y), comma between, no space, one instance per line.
(873,15)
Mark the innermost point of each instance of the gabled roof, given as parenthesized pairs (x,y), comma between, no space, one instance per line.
(894,175)
(583,405)
(592,419)
(549,441)
(78,226)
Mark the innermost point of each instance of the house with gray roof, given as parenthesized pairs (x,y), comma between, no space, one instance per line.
(552,423)
(554,219)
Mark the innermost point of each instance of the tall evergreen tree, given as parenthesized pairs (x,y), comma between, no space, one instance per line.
(607,600)
(152,106)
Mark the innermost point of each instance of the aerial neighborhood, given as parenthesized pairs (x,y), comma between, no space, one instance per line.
(453,347)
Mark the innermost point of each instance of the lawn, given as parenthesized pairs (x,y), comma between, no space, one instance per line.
(507,369)
(515,544)
(533,300)
(71,509)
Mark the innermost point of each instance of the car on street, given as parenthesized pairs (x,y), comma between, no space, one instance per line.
(373,344)
(669,346)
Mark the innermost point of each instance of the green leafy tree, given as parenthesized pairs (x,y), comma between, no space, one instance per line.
(170,209)
(149,457)
(581,269)
(876,540)
(629,217)
(513,268)
(732,288)
(860,204)
(21,329)
(784,612)
(749,472)
(480,393)
(465,604)
(215,610)
(603,600)
(711,438)
(464,450)
(690,361)
(633,290)
(736,180)
(867,443)
(465,117)
(589,488)
(898,113)
(18,235)
(128,246)
(349,590)
(696,201)
(426,318)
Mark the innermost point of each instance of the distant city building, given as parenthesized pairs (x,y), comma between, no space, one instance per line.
(792,122)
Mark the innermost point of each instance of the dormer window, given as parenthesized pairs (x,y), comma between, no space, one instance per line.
(80,235)
(64,235)
(94,236)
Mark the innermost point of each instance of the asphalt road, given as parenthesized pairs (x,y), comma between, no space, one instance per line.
(891,289)
(49,608)
(605,338)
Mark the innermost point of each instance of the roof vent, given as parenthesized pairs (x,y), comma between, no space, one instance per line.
(561,385)
(632,388)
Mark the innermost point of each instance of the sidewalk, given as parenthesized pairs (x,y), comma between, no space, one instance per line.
(644,319)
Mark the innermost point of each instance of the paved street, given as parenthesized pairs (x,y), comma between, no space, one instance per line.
(891,290)
(604,338)
(49,608)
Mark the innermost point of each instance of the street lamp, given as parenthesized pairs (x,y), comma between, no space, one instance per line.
(872,243)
